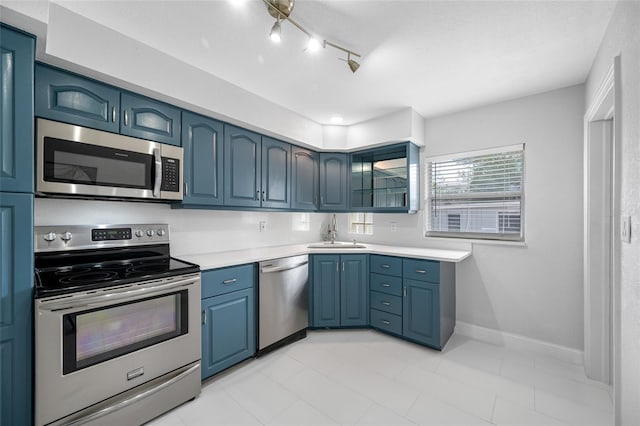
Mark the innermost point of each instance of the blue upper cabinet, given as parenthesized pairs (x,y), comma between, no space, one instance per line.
(66,97)
(149,119)
(304,179)
(16,290)
(276,174)
(16,111)
(242,167)
(202,140)
(333,181)
(386,179)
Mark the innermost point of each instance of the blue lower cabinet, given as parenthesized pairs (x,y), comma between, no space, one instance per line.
(228,318)
(16,302)
(354,290)
(326,290)
(421,312)
(340,290)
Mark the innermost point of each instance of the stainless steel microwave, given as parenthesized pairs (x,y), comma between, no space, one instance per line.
(77,161)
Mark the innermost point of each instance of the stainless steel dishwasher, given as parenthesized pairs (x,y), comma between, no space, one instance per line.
(283,302)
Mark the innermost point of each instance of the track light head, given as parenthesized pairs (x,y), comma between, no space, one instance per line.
(276,32)
(353,65)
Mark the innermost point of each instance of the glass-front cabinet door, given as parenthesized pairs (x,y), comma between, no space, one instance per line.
(385,179)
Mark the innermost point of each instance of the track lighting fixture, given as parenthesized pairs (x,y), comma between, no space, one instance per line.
(281,10)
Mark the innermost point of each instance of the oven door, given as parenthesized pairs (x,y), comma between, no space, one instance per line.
(74,160)
(94,345)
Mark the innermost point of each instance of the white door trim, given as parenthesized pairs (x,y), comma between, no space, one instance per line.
(600,294)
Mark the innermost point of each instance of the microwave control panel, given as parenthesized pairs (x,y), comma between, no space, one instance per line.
(170,175)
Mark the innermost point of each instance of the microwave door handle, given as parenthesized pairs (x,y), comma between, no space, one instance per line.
(158,169)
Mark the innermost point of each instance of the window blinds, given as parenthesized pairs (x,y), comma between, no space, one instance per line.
(477,194)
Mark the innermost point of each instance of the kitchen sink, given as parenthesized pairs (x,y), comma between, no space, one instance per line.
(336,245)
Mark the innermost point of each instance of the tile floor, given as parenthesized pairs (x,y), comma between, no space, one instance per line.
(363,377)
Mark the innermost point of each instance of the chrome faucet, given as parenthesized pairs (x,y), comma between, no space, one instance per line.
(333,229)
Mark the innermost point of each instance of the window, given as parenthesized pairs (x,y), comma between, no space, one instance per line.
(476,194)
(361,223)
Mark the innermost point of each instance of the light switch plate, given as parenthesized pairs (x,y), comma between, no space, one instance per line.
(263,225)
(625,229)
(394,226)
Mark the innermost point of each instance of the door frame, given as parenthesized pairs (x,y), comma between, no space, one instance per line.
(602,296)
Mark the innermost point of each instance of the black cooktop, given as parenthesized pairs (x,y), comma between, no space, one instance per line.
(68,272)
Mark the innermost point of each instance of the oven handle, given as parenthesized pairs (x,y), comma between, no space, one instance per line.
(134,399)
(109,298)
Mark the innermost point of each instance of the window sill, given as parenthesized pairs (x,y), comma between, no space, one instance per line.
(478,241)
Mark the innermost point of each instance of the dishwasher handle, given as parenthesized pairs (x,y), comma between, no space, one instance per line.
(270,269)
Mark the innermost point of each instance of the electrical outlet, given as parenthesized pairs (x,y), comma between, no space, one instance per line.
(263,225)
(394,226)
(625,229)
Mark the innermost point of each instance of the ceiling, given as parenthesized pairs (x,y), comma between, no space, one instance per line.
(433,56)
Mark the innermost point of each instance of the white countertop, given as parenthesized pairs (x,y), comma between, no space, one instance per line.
(239,257)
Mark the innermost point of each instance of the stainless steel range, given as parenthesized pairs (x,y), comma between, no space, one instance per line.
(117,331)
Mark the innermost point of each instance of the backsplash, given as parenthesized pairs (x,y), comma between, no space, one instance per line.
(192,231)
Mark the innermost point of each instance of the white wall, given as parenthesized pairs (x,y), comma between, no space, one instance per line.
(534,291)
(191,231)
(623,38)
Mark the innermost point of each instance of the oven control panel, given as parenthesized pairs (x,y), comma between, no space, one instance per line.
(76,237)
(110,234)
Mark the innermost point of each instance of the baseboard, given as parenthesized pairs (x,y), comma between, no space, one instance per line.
(519,342)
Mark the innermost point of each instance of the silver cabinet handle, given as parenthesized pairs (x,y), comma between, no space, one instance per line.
(421,271)
(386,285)
(186,188)
(385,322)
(126,118)
(204,317)
(113,114)
(404,292)
(385,266)
(263,199)
(342,266)
(229,281)
(158,178)
(337,266)
(257,195)
(386,303)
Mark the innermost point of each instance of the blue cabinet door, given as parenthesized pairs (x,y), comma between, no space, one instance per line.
(333,181)
(276,174)
(149,119)
(421,312)
(304,179)
(354,290)
(16,111)
(241,167)
(202,140)
(228,330)
(16,298)
(66,97)
(326,290)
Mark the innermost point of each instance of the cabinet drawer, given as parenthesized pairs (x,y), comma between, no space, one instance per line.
(386,321)
(225,280)
(386,284)
(386,302)
(422,270)
(386,265)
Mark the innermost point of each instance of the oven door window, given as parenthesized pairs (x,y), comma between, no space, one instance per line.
(93,336)
(86,164)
